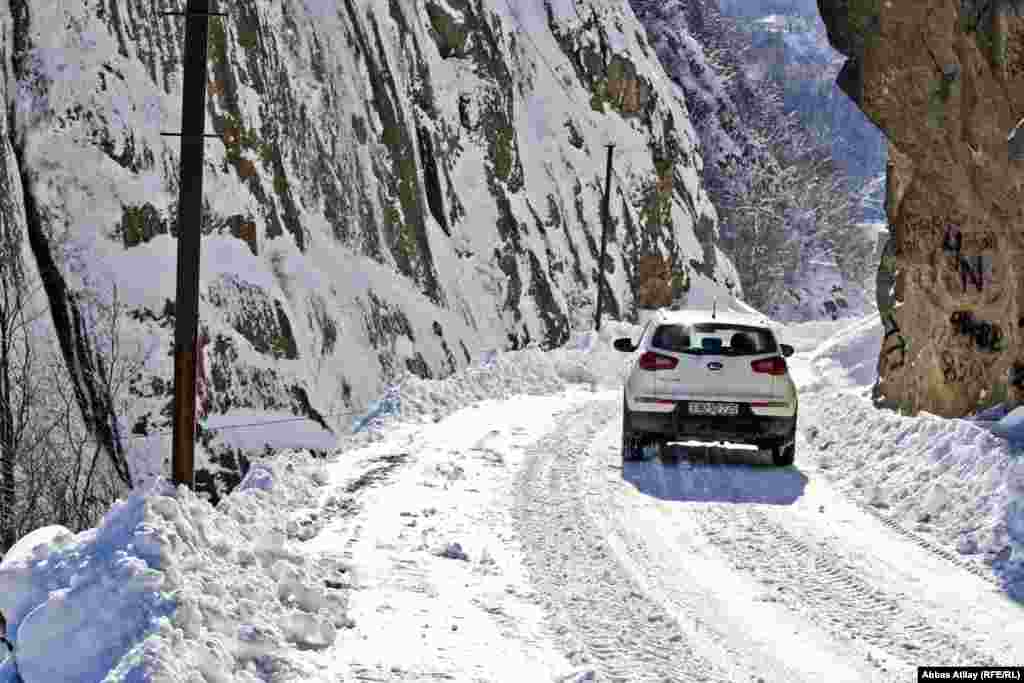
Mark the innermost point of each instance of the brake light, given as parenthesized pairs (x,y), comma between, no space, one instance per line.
(655,361)
(771,366)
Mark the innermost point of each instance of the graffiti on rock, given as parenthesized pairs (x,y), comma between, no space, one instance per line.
(988,336)
(1015,376)
(974,267)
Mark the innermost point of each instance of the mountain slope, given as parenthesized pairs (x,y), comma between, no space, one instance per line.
(806,74)
(398,186)
(761,168)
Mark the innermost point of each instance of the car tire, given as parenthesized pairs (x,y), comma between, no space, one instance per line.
(783,454)
(630,442)
(668,454)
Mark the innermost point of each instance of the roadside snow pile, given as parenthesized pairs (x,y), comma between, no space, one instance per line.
(808,336)
(945,477)
(169,587)
(949,475)
(849,359)
(587,358)
(76,605)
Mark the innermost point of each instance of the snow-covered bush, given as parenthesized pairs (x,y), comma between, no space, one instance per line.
(61,461)
(787,211)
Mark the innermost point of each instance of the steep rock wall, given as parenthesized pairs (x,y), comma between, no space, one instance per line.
(398,185)
(943,79)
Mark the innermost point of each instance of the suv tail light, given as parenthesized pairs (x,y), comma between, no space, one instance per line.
(771,366)
(655,361)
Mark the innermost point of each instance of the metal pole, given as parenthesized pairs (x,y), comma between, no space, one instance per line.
(604,237)
(190,216)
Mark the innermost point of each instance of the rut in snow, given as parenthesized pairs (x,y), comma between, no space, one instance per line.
(600,611)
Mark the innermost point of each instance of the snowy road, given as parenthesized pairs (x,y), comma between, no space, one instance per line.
(734,570)
(714,567)
(489,532)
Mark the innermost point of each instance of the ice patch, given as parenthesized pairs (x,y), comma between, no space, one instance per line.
(388,405)
(76,604)
(259,476)
(1011,426)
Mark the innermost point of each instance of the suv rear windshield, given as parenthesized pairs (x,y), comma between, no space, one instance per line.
(715,339)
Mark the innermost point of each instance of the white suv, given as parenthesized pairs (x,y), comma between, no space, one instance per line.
(706,376)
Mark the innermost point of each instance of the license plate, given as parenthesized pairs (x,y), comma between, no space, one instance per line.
(700,408)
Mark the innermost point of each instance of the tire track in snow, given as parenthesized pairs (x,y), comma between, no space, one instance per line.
(598,607)
(830,594)
(666,580)
(930,546)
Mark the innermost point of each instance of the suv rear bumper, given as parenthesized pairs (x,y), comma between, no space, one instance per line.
(745,427)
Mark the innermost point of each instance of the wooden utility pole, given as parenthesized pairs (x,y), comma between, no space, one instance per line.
(605,219)
(190,217)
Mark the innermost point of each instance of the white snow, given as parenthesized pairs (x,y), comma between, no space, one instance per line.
(850,357)
(396,558)
(949,479)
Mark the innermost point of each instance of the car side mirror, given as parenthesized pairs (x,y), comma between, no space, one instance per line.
(623,344)
(787,350)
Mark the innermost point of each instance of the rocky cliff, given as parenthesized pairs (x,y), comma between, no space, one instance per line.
(943,79)
(397,184)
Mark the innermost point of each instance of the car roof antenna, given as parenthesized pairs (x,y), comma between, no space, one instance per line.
(714,308)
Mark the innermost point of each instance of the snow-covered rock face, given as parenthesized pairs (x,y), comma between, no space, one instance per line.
(397,186)
(683,37)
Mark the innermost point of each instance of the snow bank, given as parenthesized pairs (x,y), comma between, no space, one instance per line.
(168,587)
(76,605)
(850,357)
(952,479)
(806,337)
(587,358)
(950,475)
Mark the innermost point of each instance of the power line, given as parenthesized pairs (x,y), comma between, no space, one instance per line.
(281,421)
(165,432)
